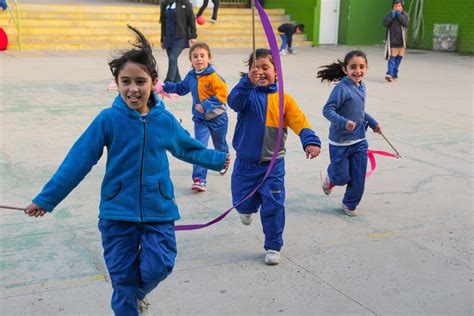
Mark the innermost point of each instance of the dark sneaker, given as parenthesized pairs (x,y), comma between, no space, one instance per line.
(223,171)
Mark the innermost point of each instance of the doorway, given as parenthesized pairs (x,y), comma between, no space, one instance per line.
(329,21)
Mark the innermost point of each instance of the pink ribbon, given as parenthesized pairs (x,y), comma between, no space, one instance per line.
(373,163)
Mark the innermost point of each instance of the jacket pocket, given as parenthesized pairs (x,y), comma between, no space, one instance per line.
(166,189)
(112,191)
(158,198)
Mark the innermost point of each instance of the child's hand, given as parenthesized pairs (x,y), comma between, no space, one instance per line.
(312,151)
(199,108)
(377,129)
(350,126)
(34,210)
(254,75)
(227,162)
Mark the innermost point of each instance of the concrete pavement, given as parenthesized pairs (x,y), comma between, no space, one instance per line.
(410,252)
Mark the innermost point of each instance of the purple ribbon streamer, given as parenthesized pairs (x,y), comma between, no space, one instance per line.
(267,27)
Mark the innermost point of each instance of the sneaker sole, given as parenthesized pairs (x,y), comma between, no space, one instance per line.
(199,189)
(388,78)
(271,263)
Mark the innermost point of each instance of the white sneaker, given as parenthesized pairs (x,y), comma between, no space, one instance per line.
(348,211)
(213,21)
(246,219)
(272,257)
(143,305)
(327,186)
(283,52)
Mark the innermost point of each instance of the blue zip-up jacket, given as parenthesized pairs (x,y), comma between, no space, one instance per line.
(347,102)
(137,186)
(207,89)
(258,120)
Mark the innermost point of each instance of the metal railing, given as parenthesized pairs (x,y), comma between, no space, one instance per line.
(15,17)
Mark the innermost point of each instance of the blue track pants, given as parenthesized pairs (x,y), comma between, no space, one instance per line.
(138,257)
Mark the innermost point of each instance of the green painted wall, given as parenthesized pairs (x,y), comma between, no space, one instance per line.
(300,11)
(453,11)
(360,21)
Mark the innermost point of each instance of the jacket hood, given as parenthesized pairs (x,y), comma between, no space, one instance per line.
(155,110)
(269,88)
(209,70)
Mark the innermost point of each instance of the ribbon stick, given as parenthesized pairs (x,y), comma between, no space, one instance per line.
(398,154)
(267,27)
(12,208)
(254,54)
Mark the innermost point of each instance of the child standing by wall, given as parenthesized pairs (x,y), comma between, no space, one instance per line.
(137,208)
(209,108)
(348,147)
(256,101)
(286,31)
(395,43)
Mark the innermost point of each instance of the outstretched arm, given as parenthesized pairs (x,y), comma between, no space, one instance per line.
(181,87)
(83,155)
(186,148)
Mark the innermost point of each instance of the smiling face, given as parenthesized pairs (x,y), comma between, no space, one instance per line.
(266,70)
(200,59)
(356,68)
(135,86)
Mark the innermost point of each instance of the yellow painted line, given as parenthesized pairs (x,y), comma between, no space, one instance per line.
(383,235)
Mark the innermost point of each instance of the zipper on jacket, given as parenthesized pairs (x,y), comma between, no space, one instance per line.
(141,168)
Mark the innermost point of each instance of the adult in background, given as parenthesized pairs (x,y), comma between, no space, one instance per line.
(178,31)
(396,23)
(286,31)
(214,10)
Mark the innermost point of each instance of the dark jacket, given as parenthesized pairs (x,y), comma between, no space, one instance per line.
(396,24)
(289,29)
(185,19)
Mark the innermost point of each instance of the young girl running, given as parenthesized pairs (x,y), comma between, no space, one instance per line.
(345,109)
(137,208)
(255,99)
(209,93)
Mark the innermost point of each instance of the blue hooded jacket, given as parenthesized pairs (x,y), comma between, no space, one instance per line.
(137,186)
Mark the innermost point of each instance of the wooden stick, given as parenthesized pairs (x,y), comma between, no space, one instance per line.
(254,61)
(12,208)
(398,154)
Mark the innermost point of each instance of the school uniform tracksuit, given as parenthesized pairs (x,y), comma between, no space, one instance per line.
(395,41)
(210,90)
(348,150)
(137,206)
(254,141)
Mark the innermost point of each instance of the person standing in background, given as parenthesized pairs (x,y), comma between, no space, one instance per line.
(396,23)
(178,31)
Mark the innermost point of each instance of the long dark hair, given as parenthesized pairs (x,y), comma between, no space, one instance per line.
(335,72)
(141,54)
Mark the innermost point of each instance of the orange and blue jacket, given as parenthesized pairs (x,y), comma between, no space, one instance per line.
(258,120)
(207,89)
